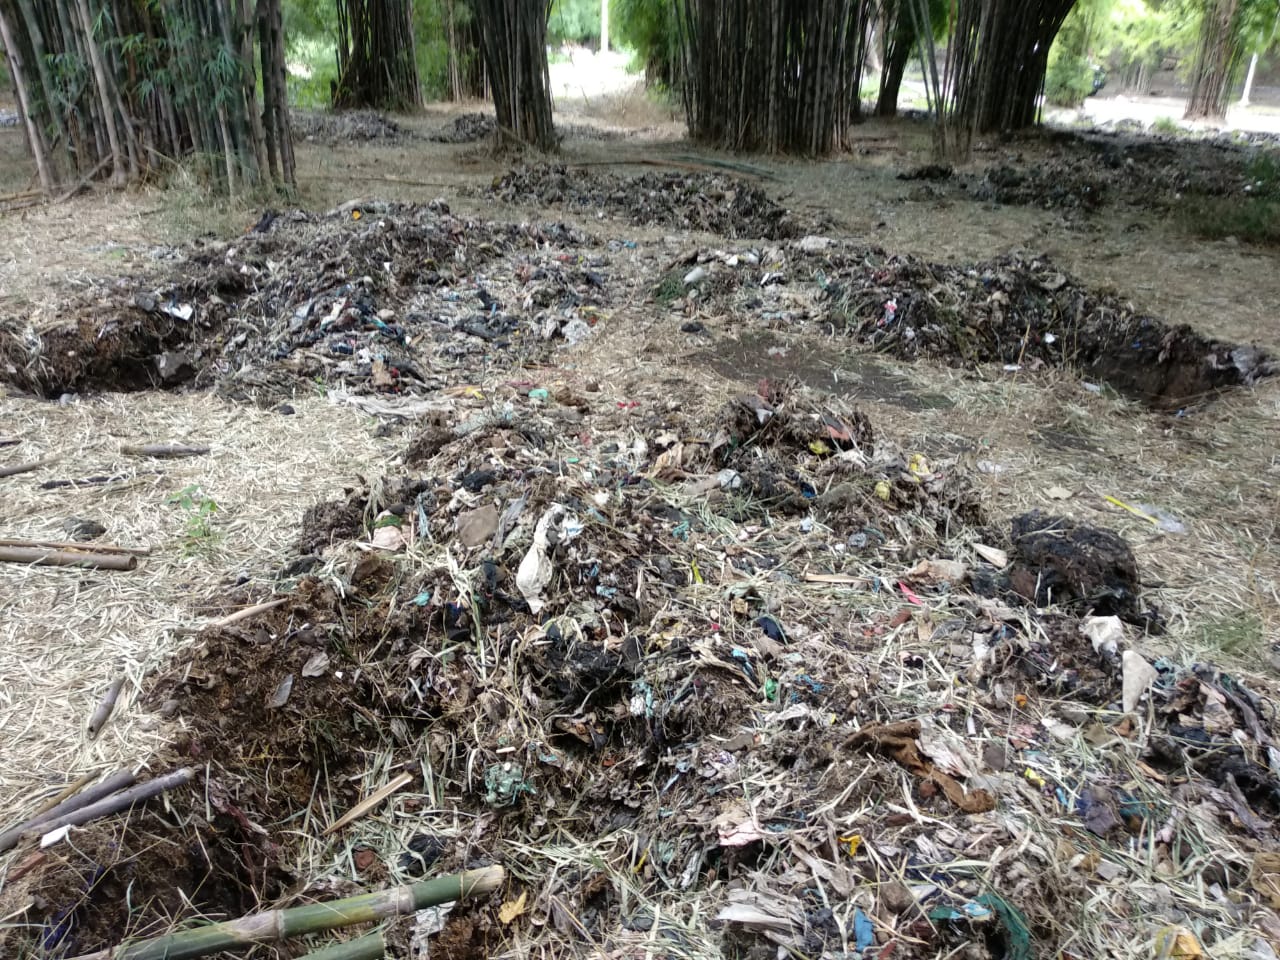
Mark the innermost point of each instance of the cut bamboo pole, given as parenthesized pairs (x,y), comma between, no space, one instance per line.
(273,926)
(80,545)
(116,802)
(372,947)
(120,780)
(44,557)
(102,712)
(18,468)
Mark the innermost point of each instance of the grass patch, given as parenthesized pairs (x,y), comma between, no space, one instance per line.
(1240,636)
(1254,220)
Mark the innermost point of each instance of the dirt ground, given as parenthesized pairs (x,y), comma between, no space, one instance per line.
(996,440)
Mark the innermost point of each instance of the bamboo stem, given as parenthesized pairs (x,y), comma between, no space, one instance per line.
(163,450)
(102,712)
(43,557)
(20,468)
(92,547)
(275,925)
(120,780)
(372,947)
(115,803)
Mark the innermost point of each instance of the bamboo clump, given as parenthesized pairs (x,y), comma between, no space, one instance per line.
(773,76)
(377,65)
(117,89)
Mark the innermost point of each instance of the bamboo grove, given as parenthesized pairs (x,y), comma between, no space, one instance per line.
(119,89)
(377,65)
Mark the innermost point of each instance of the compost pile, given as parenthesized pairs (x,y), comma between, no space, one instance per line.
(347,126)
(1086,174)
(372,298)
(467,128)
(1025,313)
(712,203)
(730,678)
(711,667)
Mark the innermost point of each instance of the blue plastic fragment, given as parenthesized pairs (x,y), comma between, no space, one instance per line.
(864,933)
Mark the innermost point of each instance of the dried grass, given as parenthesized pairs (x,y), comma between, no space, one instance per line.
(65,633)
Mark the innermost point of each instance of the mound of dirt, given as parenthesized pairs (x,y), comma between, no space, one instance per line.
(713,203)
(683,660)
(1086,173)
(467,128)
(1023,312)
(373,298)
(347,126)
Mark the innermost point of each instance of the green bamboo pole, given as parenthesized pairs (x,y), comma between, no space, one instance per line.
(273,926)
(372,947)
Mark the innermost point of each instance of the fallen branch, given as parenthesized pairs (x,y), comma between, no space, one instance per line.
(44,557)
(18,468)
(115,803)
(102,712)
(168,451)
(73,545)
(9,441)
(119,780)
(364,806)
(273,926)
(372,947)
(233,618)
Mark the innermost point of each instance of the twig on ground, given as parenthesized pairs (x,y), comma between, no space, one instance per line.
(164,450)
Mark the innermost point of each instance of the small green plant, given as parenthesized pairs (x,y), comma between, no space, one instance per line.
(1241,636)
(1166,127)
(199,510)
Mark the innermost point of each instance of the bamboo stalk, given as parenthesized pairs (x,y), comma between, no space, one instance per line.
(233,618)
(274,926)
(20,468)
(120,780)
(94,547)
(115,803)
(43,557)
(372,947)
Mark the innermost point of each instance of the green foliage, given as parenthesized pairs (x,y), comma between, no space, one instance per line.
(199,510)
(1069,80)
(1166,127)
(574,21)
(649,28)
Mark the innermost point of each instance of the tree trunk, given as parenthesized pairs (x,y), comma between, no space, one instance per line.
(18,72)
(900,40)
(513,38)
(1217,60)
(773,75)
(377,64)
